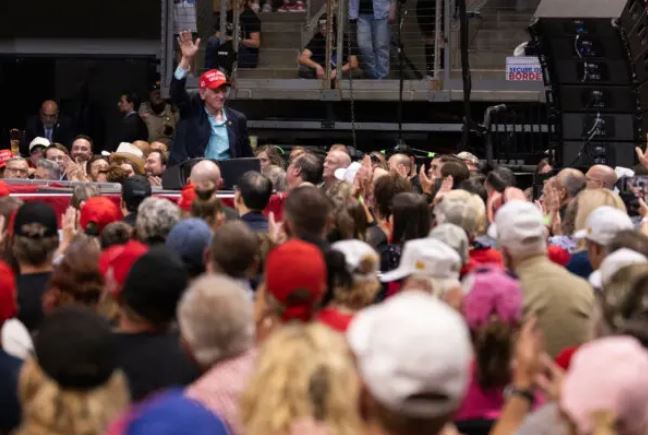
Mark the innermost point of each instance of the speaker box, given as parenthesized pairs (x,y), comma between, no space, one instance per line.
(592,98)
(595,57)
(604,153)
(614,127)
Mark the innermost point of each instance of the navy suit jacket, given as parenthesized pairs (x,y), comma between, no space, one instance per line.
(63,132)
(194,130)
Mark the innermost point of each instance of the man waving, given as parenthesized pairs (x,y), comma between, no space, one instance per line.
(206,128)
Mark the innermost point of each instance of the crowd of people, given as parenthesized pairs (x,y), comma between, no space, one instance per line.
(384,296)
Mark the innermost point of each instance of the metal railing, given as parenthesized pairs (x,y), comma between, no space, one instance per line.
(520,133)
(427,58)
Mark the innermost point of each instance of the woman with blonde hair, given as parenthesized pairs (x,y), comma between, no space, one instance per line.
(353,270)
(304,376)
(590,199)
(72,386)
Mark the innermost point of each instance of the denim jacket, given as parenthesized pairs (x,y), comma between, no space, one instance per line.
(380,7)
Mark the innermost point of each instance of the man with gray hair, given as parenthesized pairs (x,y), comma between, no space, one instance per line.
(155,219)
(561,301)
(47,170)
(569,183)
(216,323)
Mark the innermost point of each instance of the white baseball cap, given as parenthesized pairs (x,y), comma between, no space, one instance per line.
(603,224)
(519,226)
(413,354)
(427,257)
(349,173)
(361,259)
(613,263)
(39,142)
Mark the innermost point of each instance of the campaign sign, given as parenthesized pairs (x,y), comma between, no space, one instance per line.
(523,69)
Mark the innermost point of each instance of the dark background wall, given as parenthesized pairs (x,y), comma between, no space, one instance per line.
(80,18)
(87,86)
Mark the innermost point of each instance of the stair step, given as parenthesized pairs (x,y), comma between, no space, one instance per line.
(267,17)
(506,16)
(281,40)
(264,73)
(498,25)
(278,57)
(506,35)
(281,26)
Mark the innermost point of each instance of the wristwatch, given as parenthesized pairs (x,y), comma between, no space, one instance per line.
(510,391)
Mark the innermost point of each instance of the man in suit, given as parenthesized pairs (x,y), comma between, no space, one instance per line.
(48,124)
(131,127)
(206,128)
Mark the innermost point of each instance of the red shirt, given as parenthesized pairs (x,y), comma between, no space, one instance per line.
(479,256)
(335,319)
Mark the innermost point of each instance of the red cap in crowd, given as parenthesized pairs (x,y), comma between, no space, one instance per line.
(116,261)
(4,156)
(187,197)
(4,189)
(296,278)
(213,79)
(100,211)
(8,304)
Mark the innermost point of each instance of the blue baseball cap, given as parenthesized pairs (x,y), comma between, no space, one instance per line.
(189,239)
(172,413)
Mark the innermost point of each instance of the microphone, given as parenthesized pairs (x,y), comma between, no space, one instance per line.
(499,108)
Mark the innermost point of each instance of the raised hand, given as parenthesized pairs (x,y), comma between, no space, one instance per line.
(529,348)
(188,48)
(427,183)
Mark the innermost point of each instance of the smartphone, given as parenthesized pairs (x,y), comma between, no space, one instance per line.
(636,186)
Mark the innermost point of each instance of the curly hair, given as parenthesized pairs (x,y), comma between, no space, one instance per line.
(77,276)
(155,218)
(49,409)
(624,303)
(354,290)
(304,371)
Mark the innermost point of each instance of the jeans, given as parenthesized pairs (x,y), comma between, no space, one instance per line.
(373,43)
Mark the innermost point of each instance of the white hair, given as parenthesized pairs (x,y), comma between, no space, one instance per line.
(216,319)
(155,219)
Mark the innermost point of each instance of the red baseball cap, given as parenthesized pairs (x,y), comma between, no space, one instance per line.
(8,304)
(116,261)
(4,156)
(213,79)
(296,278)
(101,211)
(4,189)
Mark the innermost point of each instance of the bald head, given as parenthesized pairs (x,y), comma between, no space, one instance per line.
(335,159)
(205,175)
(601,176)
(400,164)
(49,113)
(570,181)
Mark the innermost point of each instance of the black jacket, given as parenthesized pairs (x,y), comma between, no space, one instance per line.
(130,129)
(63,132)
(193,130)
